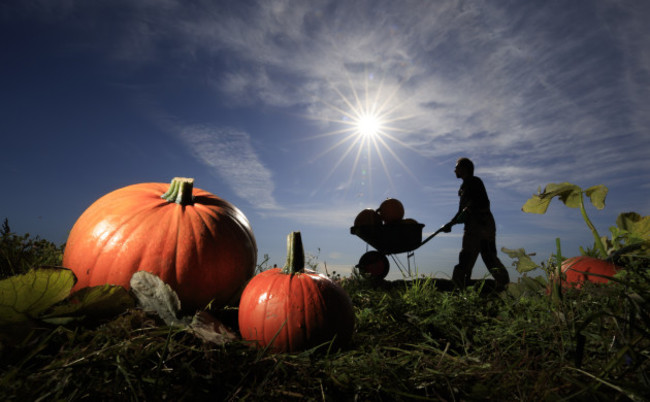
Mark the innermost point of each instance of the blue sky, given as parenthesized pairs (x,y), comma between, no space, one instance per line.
(258,100)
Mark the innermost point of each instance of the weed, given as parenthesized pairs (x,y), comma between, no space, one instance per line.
(19,253)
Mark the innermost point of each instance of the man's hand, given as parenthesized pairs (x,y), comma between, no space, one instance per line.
(447,227)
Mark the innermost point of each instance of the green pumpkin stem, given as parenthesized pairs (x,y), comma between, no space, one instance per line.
(180,191)
(295,254)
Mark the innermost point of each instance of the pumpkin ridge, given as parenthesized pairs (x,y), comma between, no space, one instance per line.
(102,247)
(322,306)
(268,338)
(260,334)
(293,316)
(307,292)
(150,215)
(176,241)
(237,219)
(145,215)
(151,219)
(196,226)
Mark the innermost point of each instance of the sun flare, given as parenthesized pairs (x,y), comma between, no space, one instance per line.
(368,129)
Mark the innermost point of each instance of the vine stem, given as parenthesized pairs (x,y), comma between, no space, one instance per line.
(599,241)
(557,284)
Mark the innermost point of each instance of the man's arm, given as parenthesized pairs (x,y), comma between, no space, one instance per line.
(458,218)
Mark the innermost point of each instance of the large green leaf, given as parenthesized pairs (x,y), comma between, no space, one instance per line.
(568,193)
(24,297)
(597,195)
(635,224)
(92,302)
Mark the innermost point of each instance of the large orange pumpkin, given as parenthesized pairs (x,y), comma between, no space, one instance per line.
(198,243)
(578,270)
(294,309)
(391,210)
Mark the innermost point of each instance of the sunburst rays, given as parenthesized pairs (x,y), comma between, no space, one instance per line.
(367,127)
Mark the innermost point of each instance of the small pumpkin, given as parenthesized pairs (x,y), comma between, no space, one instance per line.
(199,244)
(578,270)
(292,309)
(391,210)
(367,217)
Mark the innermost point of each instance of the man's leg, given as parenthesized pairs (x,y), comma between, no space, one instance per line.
(493,264)
(466,259)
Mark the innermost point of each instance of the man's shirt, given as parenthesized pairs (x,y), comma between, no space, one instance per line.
(473,196)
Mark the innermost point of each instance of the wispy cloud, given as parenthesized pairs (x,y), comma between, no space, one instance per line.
(230,153)
(318,215)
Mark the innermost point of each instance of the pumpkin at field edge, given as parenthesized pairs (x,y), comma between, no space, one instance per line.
(292,309)
(578,270)
(199,244)
(367,217)
(391,210)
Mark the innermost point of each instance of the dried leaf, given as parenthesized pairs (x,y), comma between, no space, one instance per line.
(210,329)
(155,295)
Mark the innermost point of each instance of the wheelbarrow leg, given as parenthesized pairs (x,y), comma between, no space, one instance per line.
(409,255)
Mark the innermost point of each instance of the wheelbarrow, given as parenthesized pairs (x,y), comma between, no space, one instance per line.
(389,239)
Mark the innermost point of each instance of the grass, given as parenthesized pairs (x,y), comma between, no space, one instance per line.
(414,340)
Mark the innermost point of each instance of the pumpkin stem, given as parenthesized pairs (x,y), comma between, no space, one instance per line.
(295,254)
(180,191)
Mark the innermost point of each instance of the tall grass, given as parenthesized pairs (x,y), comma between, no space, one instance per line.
(18,253)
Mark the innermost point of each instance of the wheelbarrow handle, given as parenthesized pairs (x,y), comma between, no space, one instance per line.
(432,236)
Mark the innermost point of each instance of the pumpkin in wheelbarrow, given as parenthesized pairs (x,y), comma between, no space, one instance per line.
(367,217)
(391,210)
(409,221)
(373,265)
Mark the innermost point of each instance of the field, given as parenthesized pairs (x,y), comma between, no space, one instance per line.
(415,339)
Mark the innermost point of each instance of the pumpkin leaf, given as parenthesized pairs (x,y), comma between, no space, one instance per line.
(95,302)
(522,262)
(568,193)
(210,329)
(25,297)
(597,195)
(155,295)
(527,286)
(634,224)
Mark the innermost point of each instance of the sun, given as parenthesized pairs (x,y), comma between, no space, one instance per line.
(368,125)
(368,131)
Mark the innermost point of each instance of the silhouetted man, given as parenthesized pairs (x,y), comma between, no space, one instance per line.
(480,229)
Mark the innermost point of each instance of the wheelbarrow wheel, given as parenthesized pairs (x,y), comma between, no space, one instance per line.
(373,265)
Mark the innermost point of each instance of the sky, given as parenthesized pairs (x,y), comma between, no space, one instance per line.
(261,102)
